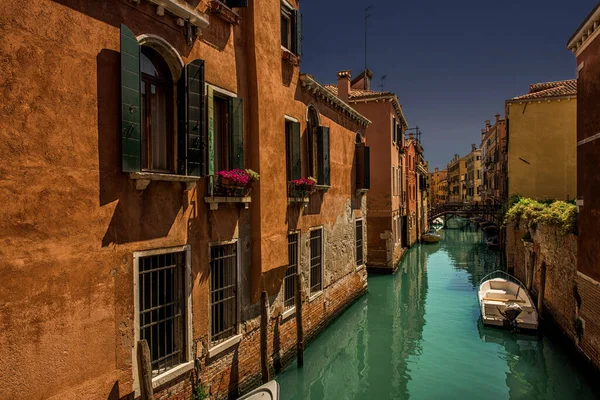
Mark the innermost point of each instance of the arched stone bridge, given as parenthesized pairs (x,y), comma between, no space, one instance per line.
(463,209)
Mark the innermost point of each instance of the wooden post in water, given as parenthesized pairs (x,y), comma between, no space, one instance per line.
(264,325)
(540,301)
(299,329)
(144,370)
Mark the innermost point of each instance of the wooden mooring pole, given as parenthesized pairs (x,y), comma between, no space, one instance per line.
(144,370)
(264,326)
(299,329)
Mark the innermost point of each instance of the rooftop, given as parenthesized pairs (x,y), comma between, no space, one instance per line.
(585,31)
(550,89)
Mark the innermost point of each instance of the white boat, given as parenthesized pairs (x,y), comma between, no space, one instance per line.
(268,391)
(505,302)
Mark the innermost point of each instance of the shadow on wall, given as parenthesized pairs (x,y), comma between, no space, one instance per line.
(139,215)
(217,33)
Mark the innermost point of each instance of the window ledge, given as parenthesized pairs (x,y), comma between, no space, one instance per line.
(323,188)
(362,191)
(171,374)
(143,179)
(221,347)
(304,200)
(222,11)
(288,313)
(289,57)
(185,11)
(215,200)
(315,296)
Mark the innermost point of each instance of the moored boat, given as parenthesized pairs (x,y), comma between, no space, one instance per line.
(268,391)
(504,302)
(431,237)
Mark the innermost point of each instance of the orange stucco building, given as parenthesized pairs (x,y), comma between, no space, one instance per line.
(120,222)
(385,202)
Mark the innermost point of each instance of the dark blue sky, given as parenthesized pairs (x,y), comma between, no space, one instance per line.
(451,63)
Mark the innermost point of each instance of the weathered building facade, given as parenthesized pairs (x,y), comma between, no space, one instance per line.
(586,46)
(385,202)
(438,190)
(542,145)
(415,187)
(474,177)
(137,221)
(494,161)
(457,171)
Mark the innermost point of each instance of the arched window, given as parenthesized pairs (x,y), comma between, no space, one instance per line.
(157,107)
(358,139)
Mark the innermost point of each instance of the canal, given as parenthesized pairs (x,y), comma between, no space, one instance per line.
(416,335)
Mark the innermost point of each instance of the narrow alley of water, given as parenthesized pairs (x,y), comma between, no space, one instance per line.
(416,335)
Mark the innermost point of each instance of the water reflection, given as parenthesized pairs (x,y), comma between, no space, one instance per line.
(416,335)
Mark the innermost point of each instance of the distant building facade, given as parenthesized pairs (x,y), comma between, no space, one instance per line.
(457,170)
(542,145)
(474,176)
(386,198)
(438,189)
(494,159)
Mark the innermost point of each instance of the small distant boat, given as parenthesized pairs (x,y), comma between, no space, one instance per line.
(431,237)
(505,302)
(493,242)
(268,391)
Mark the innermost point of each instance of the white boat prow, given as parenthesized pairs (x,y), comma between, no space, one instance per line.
(268,391)
(505,302)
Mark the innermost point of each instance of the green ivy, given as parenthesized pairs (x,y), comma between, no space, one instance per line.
(559,214)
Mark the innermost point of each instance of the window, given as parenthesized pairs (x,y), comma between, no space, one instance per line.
(291,36)
(225,131)
(223,292)
(292,141)
(163,309)
(289,282)
(359,243)
(316,260)
(394,130)
(150,141)
(318,145)
(157,112)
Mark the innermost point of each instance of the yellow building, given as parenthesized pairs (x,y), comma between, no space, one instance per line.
(473,180)
(438,187)
(542,145)
(457,171)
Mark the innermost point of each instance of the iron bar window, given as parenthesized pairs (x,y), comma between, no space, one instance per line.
(289,283)
(316,260)
(359,242)
(162,309)
(223,292)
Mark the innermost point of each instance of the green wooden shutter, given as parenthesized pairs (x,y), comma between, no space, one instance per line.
(236,133)
(298,33)
(131,145)
(237,3)
(211,130)
(196,147)
(295,163)
(324,167)
(367,168)
(359,164)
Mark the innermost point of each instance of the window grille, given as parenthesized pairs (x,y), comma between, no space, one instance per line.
(162,309)
(289,283)
(316,260)
(223,292)
(359,242)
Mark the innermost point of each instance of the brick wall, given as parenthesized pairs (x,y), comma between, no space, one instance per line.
(568,295)
(237,370)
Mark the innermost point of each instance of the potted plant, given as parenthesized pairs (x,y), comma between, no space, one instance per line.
(235,182)
(302,187)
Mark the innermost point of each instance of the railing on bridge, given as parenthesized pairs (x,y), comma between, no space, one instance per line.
(466,209)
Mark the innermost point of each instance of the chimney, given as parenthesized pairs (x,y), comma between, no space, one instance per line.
(343,85)
(483,132)
(497,118)
(436,170)
(473,147)
(487,125)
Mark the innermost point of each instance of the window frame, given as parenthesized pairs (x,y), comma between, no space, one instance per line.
(188,365)
(313,141)
(215,349)
(222,94)
(316,294)
(289,310)
(170,87)
(287,12)
(362,242)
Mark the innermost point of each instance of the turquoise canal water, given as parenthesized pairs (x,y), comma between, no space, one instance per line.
(416,335)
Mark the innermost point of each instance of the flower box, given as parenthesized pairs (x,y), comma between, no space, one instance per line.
(233,183)
(301,188)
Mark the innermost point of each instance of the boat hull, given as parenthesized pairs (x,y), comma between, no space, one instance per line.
(431,238)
